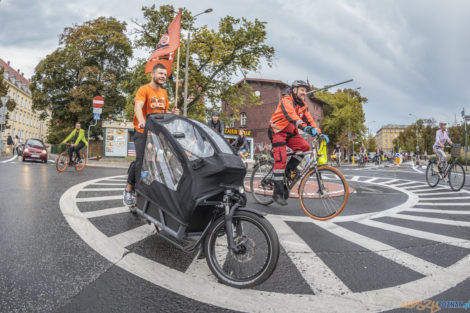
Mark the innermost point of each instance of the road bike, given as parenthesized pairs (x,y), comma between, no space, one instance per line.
(322,190)
(63,160)
(336,159)
(377,159)
(361,162)
(453,171)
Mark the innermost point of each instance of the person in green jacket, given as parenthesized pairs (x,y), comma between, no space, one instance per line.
(78,138)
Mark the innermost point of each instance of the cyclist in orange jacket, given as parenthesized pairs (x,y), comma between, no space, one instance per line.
(291,114)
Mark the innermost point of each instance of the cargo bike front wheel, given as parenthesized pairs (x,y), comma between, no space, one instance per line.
(255,255)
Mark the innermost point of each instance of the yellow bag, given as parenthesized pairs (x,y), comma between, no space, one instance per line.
(322,154)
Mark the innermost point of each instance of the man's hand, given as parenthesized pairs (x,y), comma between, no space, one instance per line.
(142,124)
(311,130)
(176,111)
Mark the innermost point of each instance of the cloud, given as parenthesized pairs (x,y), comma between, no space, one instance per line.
(407,56)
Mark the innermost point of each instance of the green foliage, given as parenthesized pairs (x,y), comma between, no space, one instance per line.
(215,56)
(343,114)
(91,60)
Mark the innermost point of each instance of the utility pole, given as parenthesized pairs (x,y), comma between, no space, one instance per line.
(465,119)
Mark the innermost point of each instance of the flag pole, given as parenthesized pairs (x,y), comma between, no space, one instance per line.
(177,76)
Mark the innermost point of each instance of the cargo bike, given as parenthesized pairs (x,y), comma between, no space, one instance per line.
(191,189)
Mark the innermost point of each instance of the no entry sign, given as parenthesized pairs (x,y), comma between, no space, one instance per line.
(98,102)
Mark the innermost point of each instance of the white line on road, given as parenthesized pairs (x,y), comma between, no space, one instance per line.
(355,178)
(430,220)
(443,204)
(9,160)
(106,212)
(103,189)
(410,183)
(418,233)
(134,235)
(438,211)
(392,182)
(315,272)
(444,198)
(93,199)
(109,184)
(425,189)
(405,259)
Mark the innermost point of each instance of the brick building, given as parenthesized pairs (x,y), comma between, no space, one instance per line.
(255,119)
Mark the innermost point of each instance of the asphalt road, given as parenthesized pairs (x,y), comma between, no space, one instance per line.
(68,245)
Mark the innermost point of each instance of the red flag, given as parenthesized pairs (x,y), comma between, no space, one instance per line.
(167,45)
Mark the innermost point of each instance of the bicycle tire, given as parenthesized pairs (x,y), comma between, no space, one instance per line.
(431,174)
(80,166)
(303,198)
(59,164)
(451,179)
(267,189)
(216,239)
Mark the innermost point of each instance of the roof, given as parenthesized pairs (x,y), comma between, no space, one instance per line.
(13,72)
(262,80)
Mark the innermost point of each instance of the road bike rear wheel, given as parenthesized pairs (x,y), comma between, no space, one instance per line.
(324,196)
(62,162)
(80,165)
(432,176)
(258,253)
(262,183)
(456,176)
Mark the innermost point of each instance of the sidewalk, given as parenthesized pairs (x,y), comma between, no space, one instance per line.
(104,162)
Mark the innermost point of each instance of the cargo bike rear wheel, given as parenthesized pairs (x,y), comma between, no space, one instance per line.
(256,253)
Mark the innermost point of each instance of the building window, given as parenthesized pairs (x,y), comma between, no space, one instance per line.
(232,121)
(242,119)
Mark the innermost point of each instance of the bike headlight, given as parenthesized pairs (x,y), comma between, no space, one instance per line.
(241,189)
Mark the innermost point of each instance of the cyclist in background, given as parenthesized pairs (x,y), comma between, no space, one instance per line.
(441,139)
(363,152)
(78,138)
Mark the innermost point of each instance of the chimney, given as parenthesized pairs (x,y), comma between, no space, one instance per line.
(8,62)
(22,74)
(18,71)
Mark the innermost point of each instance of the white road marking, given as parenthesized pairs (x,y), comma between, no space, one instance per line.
(444,204)
(444,198)
(105,212)
(448,192)
(96,199)
(426,189)
(405,259)
(355,178)
(418,233)
(438,211)
(391,182)
(11,159)
(410,183)
(369,180)
(316,273)
(134,235)
(103,189)
(430,220)
(110,184)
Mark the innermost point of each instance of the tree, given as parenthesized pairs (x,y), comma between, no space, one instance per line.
(91,60)
(215,56)
(11,104)
(343,115)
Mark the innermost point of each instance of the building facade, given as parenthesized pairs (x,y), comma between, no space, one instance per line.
(23,121)
(255,119)
(385,135)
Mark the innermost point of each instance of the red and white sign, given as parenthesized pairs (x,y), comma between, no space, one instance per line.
(98,102)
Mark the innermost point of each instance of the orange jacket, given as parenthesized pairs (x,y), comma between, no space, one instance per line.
(289,112)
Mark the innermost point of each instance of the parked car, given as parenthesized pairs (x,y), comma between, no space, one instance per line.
(34,149)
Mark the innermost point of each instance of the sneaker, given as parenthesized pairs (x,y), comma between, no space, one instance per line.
(129,198)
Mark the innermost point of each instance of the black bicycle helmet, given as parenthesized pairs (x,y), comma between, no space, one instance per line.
(300,83)
(215,113)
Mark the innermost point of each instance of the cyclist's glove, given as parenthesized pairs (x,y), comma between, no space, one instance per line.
(310,130)
(325,137)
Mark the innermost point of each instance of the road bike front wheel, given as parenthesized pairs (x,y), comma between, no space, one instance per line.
(432,176)
(262,182)
(62,162)
(323,193)
(257,255)
(456,176)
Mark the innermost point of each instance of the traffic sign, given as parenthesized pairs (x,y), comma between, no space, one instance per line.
(96,116)
(97,110)
(98,102)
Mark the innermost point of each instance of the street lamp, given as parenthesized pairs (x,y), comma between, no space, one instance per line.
(185,105)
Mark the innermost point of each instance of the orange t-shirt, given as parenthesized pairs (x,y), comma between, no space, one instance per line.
(155,101)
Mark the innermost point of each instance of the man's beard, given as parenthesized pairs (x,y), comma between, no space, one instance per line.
(155,80)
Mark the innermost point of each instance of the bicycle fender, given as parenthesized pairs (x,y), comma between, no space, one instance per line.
(262,214)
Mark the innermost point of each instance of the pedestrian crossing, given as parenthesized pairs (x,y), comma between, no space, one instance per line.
(325,281)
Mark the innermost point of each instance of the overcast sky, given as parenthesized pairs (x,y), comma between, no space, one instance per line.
(407,56)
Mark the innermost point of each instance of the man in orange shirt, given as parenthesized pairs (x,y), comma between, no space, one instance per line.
(150,98)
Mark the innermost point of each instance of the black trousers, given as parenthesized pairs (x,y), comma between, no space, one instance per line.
(75,149)
(133,174)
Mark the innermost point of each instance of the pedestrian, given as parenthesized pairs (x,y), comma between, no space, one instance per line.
(216,124)
(241,144)
(10,143)
(16,143)
(150,98)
